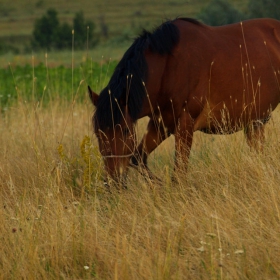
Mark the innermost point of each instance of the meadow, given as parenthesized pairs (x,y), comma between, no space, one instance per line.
(42,83)
(58,221)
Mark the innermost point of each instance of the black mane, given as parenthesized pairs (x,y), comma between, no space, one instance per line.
(126,84)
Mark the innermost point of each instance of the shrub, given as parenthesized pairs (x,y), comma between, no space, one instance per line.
(50,34)
(83,31)
(264,8)
(64,38)
(46,30)
(220,12)
(6,47)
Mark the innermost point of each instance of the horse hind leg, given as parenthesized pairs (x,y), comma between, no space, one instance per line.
(183,141)
(255,135)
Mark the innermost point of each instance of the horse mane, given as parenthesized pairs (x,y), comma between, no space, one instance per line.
(126,86)
(191,20)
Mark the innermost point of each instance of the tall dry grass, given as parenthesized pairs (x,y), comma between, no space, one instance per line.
(220,221)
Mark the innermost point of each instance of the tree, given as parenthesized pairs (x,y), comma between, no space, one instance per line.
(220,12)
(50,34)
(264,8)
(45,30)
(64,37)
(83,31)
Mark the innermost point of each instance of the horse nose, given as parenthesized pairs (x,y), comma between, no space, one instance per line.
(115,168)
(112,167)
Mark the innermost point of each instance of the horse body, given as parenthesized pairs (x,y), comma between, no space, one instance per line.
(215,79)
(213,68)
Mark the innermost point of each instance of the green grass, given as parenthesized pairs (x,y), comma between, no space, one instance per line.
(101,54)
(41,83)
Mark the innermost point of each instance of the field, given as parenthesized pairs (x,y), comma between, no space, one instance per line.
(17,17)
(58,221)
(220,221)
(123,19)
(43,83)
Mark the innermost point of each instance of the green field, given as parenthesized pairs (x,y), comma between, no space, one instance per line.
(44,84)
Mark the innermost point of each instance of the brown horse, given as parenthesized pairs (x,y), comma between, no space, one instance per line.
(187,76)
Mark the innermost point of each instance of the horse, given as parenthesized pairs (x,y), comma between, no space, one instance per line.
(186,77)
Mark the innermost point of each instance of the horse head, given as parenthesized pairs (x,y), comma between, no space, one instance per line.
(117,142)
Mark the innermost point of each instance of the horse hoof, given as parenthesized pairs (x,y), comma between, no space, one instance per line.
(134,161)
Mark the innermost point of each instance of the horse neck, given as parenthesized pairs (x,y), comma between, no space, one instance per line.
(154,81)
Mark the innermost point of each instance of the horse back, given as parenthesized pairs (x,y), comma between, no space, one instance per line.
(233,69)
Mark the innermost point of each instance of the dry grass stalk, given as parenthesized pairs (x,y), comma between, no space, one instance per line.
(221,220)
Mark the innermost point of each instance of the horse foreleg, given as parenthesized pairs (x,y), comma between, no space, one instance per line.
(183,141)
(153,137)
(255,135)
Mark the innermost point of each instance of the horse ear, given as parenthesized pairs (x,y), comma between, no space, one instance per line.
(93,96)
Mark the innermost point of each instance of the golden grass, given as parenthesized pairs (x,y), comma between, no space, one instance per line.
(220,221)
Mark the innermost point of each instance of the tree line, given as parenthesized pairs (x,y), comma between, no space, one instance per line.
(49,33)
(221,12)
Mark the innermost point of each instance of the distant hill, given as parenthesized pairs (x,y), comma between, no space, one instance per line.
(17,17)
